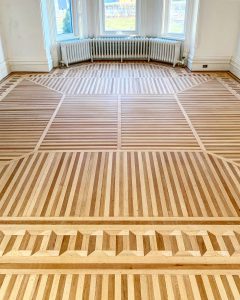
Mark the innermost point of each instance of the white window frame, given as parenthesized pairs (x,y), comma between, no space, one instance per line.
(105,32)
(75,24)
(166,20)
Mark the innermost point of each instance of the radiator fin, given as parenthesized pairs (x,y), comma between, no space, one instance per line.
(141,48)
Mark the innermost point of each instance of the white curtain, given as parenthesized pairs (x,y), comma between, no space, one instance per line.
(151,17)
(89,18)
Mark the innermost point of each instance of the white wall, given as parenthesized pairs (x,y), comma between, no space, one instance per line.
(3,63)
(30,41)
(235,63)
(24,28)
(217,31)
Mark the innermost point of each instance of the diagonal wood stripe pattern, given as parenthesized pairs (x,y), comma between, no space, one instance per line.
(7,85)
(24,114)
(108,184)
(215,114)
(155,123)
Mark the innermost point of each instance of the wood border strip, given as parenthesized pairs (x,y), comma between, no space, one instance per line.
(49,124)
(201,145)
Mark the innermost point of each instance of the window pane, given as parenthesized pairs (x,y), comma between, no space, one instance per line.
(177,16)
(63,16)
(120,15)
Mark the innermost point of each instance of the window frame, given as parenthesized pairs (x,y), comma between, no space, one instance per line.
(166,21)
(75,23)
(120,33)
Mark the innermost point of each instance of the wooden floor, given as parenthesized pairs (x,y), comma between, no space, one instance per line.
(120,181)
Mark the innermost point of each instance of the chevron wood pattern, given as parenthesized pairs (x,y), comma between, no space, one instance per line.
(120,181)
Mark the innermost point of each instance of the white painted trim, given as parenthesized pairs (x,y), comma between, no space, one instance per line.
(221,63)
(4,69)
(103,30)
(29,66)
(235,66)
(166,19)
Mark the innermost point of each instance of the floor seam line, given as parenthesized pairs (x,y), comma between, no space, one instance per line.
(8,91)
(119,142)
(45,86)
(228,88)
(200,143)
(45,132)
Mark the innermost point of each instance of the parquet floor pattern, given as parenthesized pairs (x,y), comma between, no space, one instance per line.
(215,114)
(155,123)
(120,181)
(120,184)
(84,123)
(23,118)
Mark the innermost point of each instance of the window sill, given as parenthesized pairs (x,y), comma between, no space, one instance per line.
(119,35)
(66,37)
(174,37)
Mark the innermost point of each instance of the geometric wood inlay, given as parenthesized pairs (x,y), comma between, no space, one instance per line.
(24,114)
(155,123)
(119,85)
(115,243)
(84,123)
(120,181)
(215,114)
(120,184)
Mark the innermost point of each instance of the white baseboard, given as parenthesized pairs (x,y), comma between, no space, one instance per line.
(213,63)
(235,66)
(30,65)
(4,69)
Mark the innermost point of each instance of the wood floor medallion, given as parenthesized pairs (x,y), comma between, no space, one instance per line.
(120,181)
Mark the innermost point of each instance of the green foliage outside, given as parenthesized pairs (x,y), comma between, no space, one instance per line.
(67,23)
(121,24)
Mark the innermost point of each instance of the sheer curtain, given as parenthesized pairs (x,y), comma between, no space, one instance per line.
(150,17)
(89,18)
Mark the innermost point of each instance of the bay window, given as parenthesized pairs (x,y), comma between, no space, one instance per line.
(66,18)
(175,17)
(74,18)
(119,16)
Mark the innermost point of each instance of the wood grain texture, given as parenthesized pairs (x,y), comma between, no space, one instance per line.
(155,123)
(119,286)
(118,86)
(24,114)
(84,123)
(215,114)
(128,244)
(120,181)
(120,184)
(7,85)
